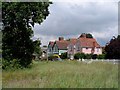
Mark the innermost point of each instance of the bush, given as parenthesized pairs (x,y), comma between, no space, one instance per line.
(63,55)
(101,56)
(79,56)
(50,57)
(94,56)
(88,56)
(12,64)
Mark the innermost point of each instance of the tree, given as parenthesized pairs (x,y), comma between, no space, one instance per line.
(89,35)
(17,18)
(113,48)
(37,49)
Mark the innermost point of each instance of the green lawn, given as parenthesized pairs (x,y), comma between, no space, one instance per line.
(64,74)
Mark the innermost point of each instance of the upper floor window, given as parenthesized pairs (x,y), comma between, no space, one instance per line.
(86,47)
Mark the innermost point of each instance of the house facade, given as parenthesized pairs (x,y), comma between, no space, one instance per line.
(57,47)
(82,44)
(60,46)
(50,48)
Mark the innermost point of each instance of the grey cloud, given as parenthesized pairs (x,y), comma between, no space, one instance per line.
(73,19)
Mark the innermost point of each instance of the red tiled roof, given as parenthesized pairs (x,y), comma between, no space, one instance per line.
(88,42)
(73,41)
(62,44)
(51,43)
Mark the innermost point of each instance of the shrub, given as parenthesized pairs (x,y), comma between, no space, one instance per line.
(88,56)
(101,56)
(63,55)
(79,56)
(50,57)
(94,56)
(12,64)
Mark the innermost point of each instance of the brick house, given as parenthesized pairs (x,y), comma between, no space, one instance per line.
(60,46)
(84,45)
(50,48)
(75,45)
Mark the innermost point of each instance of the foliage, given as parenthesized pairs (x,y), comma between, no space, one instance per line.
(17,18)
(63,55)
(83,56)
(50,57)
(12,64)
(0,44)
(101,56)
(113,48)
(89,35)
(79,56)
(37,48)
(88,56)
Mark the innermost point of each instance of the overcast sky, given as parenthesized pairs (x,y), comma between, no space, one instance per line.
(71,18)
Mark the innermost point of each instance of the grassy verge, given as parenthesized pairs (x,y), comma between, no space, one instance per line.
(65,74)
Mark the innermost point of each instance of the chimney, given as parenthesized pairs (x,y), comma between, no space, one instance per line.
(61,38)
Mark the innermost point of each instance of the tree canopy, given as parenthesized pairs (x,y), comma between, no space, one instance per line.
(17,18)
(87,35)
(113,48)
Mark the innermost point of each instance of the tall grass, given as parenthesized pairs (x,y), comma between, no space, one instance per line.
(65,74)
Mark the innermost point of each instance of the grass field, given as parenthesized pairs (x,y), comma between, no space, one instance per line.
(64,74)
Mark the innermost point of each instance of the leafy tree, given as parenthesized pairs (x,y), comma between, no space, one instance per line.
(89,35)
(113,48)
(94,56)
(17,18)
(37,49)
(0,40)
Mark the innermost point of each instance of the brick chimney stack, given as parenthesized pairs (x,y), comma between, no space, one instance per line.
(61,38)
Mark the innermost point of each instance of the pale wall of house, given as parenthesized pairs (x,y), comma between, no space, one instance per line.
(55,49)
(62,51)
(71,49)
(98,51)
(86,50)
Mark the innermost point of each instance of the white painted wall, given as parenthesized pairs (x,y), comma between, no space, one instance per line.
(62,51)
(88,50)
(98,51)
